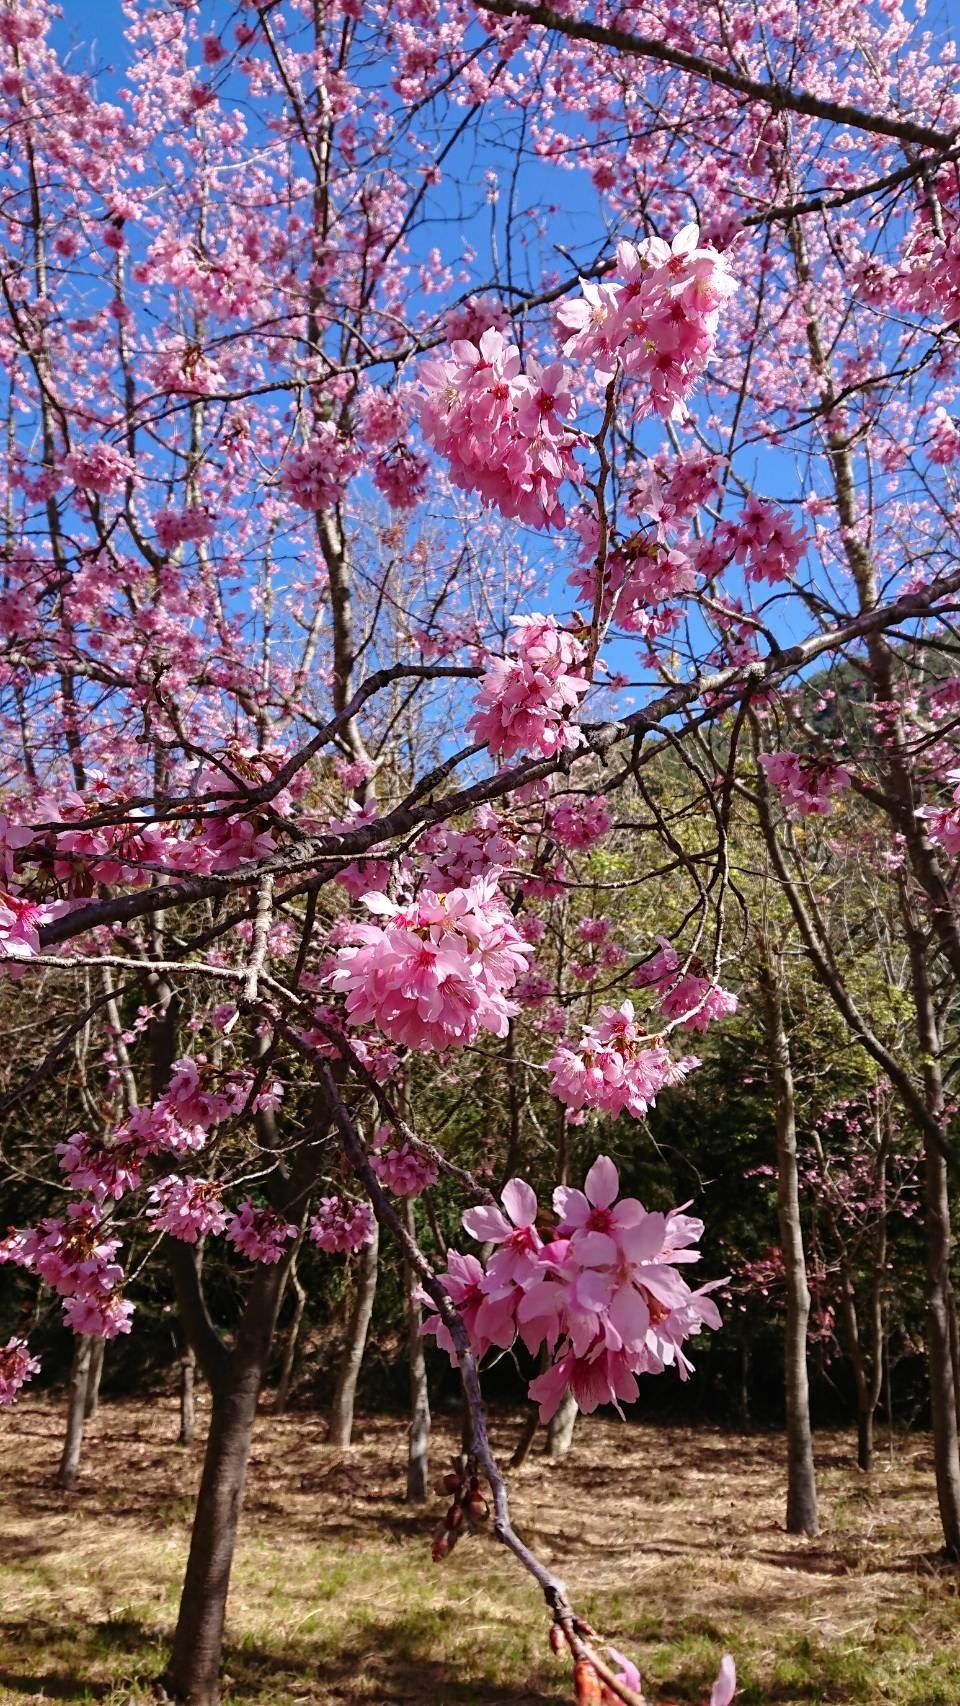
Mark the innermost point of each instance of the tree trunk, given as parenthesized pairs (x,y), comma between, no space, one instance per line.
(194,1671)
(293,1335)
(562,1424)
(188,1410)
(801,1475)
(528,1434)
(943,1405)
(76,1410)
(943,1396)
(235,1379)
(340,1431)
(418,1460)
(92,1403)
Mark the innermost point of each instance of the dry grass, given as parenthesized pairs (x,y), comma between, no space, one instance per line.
(671,1541)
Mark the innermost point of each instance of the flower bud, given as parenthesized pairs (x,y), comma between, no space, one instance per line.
(557,1638)
(477,1508)
(454,1516)
(586,1684)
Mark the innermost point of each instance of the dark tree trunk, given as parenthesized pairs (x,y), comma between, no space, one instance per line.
(92,1403)
(562,1424)
(235,1379)
(418,1459)
(76,1410)
(801,1475)
(340,1431)
(188,1407)
(293,1336)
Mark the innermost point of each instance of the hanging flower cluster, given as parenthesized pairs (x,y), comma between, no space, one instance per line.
(17,1366)
(315,474)
(434,973)
(187,1208)
(260,1234)
(657,318)
(501,429)
(694,999)
(806,787)
(612,1069)
(404,1170)
(603,1295)
(341,1225)
(526,698)
(74,1255)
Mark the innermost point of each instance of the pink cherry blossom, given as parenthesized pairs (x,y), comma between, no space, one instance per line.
(17,1366)
(187,1208)
(806,787)
(435,973)
(260,1234)
(612,1069)
(341,1225)
(403,1169)
(526,698)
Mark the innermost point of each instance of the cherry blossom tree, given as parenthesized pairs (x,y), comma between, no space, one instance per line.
(361,564)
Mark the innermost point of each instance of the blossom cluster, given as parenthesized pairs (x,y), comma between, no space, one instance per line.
(315,474)
(943,822)
(187,1208)
(657,318)
(579,821)
(764,540)
(500,429)
(259,1233)
(602,1294)
(613,1069)
(74,1254)
(525,699)
(806,787)
(342,1225)
(436,972)
(17,1366)
(404,1170)
(688,996)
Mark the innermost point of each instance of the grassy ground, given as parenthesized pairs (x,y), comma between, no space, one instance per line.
(671,1542)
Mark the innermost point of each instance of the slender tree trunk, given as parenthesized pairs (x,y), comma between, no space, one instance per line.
(943,1394)
(562,1424)
(188,1408)
(743,1399)
(418,1460)
(943,1404)
(340,1431)
(801,1475)
(954,1344)
(528,1434)
(92,1403)
(76,1410)
(293,1335)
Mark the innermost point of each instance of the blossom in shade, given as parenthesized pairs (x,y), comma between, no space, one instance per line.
(805,787)
(342,1225)
(260,1234)
(405,1170)
(187,1208)
(612,1069)
(685,995)
(17,1366)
